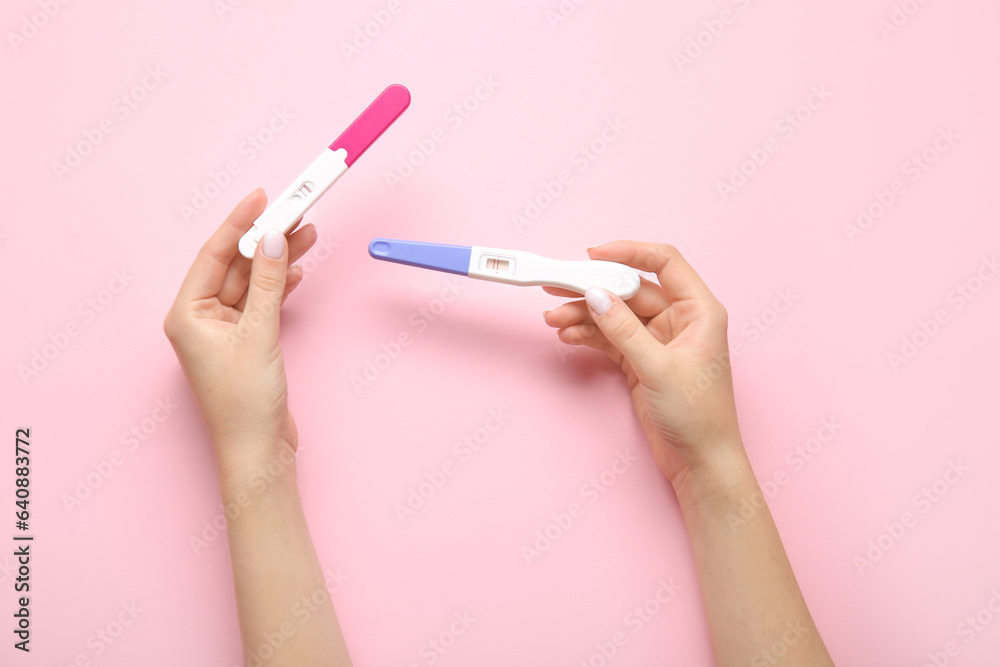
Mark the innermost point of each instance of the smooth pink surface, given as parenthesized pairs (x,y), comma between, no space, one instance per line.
(221,97)
(372,122)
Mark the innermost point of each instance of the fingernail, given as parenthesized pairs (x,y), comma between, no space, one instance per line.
(273,244)
(598,300)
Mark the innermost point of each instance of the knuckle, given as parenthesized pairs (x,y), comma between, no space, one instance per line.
(715,313)
(588,332)
(669,250)
(268,283)
(624,329)
(170,326)
(660,255)
(570,336)
(722,314)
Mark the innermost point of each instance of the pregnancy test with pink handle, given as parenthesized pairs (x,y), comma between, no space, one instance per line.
(328,167)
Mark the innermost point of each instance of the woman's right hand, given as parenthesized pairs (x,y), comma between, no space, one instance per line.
(670,342)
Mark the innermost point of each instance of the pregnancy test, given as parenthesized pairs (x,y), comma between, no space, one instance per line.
(328,167)
(514,267)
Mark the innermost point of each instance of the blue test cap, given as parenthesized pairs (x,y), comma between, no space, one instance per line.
(436,256)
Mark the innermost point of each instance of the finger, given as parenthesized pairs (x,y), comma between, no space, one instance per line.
(293,280)
(588,334)
(208,273)
(649,301)
(234,289)
(298,244)
(567,315)
(268,277)
(576,312)
(301,241)
(623,329)
(678,280)
(558,291)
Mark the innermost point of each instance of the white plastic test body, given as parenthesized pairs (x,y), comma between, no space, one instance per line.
(517,267)
(305,190)
(513,267)
(292,204)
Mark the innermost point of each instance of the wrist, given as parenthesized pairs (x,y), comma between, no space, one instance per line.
(718,480)
(253,464)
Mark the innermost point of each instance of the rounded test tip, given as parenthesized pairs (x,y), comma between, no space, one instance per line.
(379,248)
(399,95)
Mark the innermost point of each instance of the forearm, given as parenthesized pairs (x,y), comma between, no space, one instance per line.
(284,606)
(756,613)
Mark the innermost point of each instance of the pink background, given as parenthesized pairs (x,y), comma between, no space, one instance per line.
(899,427)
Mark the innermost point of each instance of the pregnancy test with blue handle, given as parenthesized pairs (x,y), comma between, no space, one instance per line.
(328,167)
(513,267)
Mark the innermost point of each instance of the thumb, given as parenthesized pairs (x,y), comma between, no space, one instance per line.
(622,328)
(267,283)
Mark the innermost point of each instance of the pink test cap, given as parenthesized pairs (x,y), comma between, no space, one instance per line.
(372,122)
